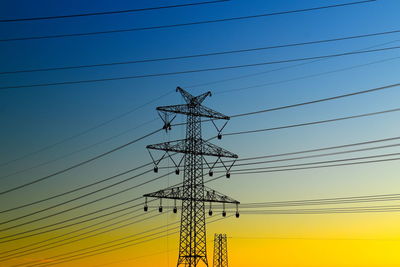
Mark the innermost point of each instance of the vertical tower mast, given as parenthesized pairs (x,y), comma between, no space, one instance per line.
(193,193)
(192,247)
(220,258)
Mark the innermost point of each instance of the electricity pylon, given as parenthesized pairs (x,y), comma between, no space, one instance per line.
(192,192)
(220,258)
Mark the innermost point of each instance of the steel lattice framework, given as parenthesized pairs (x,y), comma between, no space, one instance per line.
(193,194)
(220,258)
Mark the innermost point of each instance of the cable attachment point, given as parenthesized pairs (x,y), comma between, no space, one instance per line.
(146,208)
(210,172)
(175,208)
(219,136)
(156,162)
(223,210)
(237,211)
(160,207)
(165,118)
(177,165)
(228,168)
(210,210)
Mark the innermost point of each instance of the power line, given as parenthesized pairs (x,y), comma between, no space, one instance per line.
(257,171)
(363,207)
(314,122)
(221,176)
(307,151)
(115,240)
(77,217)
(308,102)
(321,166)
(119,239)
(318,238)
(73,208)
(318,155)
(204,54)
(334,160)
(326,211)
(393,208)
(107,248)
(78,223)
(307,76)
(74,152)
(71,232)
(77,165)
(84,215)
(199,70)
(313,102)
(318,162)
(110,12)
(75,198)
(318,100)
(324,201)
(112,247)
(184,24)
(239,77)
(298,158)
(322,148)
(81,237)
(76,189)
(85,131)
(322,162)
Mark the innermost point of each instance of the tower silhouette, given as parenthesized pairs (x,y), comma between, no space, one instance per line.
(192,193)
(220,258)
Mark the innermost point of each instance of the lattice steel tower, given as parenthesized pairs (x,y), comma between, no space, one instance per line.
(192,192)
(220,258)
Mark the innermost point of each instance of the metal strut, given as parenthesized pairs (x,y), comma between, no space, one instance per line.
(192,194)
(220,251)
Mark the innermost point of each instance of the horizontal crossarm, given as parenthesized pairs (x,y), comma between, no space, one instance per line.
(199,111)
(208,149)
(210,195)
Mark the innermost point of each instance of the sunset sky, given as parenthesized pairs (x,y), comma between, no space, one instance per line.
(47,128)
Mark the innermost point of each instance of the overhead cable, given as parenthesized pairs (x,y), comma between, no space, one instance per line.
(161,74)
(77,198)
(71,239)
(77,165)
(314,122)
(47,147)
(73,208)
(76,189)
(201,55)
(183,24)
(125,11)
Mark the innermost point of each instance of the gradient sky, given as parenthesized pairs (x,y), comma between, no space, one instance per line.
(33,118)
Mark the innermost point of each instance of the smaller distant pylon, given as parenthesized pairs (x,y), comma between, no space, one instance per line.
(220,258)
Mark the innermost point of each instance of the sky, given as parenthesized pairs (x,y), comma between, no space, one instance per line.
(49,128)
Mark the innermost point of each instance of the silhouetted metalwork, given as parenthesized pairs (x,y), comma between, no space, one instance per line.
(193,194)
(220,258)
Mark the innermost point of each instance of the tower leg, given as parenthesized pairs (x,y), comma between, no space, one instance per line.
(192,247)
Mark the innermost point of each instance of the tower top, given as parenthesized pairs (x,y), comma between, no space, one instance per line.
(193,106)
(192,100)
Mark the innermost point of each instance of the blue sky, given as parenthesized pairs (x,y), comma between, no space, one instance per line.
(36,117)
